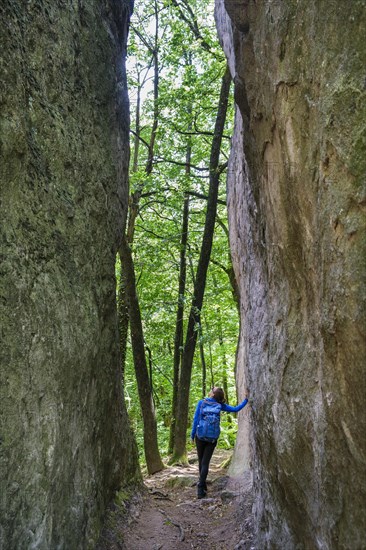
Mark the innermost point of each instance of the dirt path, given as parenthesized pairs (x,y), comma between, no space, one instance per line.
(169,516)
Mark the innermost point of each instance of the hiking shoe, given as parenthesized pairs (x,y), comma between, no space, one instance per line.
(203,485)
(201,493)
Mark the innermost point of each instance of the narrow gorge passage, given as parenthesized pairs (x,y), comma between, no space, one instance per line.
(294,163)
(168,515)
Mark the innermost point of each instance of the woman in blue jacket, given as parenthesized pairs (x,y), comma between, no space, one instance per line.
(213,404)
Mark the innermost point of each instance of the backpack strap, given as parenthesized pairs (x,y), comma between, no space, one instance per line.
(202,403)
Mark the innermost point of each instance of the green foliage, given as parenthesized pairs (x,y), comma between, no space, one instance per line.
(190,71)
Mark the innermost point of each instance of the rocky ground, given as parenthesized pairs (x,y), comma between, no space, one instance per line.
(169,516)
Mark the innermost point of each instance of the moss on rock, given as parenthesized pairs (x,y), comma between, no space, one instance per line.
(65,442)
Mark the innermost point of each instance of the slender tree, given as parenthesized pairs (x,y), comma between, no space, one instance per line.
(128,298)
(153,49)
(123,320)
(178,337)
(179,450)
(229,270)
(203,361)
(152,455)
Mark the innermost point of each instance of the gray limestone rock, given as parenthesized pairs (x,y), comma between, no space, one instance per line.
(296,200)
(65,444)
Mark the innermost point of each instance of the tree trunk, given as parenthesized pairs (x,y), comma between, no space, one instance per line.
(179,451)
(152,455)
(123,320)
(134,204)
(150,369)
(203,365)
(122,308)
(212,381)
(229,270)
(223,356)
(178,338)
(144,381)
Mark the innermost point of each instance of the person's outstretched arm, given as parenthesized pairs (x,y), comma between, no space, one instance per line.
(195,419)
(229,408)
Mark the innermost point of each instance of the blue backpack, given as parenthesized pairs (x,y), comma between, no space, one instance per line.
(208,428)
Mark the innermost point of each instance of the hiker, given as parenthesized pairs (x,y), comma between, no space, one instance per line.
(206,430)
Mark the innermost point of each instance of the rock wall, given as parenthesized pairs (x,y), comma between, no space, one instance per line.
(65,444)
(297,201)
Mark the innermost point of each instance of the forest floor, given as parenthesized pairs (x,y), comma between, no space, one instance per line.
(168,515)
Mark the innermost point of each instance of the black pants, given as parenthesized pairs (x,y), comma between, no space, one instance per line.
(204,451)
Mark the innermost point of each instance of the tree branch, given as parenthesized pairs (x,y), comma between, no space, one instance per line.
(220,265)
(143,39)
(222,168)
(159,160)
(204,197)
(223,226)
(191,21)
(140,138)
(197,133)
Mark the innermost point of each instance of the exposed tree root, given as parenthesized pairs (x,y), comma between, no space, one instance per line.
(182,536)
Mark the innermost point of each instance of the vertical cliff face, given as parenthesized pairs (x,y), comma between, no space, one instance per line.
(296,193)
(65,445)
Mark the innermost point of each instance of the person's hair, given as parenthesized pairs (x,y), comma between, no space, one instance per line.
(218,394)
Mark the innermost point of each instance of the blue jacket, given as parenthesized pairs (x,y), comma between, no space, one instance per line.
(224,407)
